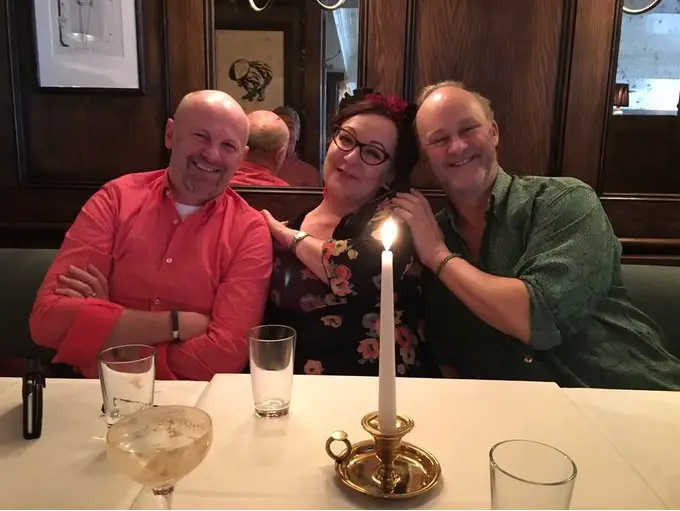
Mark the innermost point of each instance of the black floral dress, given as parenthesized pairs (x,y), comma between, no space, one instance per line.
(337,323)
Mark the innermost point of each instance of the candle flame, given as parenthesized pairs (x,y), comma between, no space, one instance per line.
(388,233)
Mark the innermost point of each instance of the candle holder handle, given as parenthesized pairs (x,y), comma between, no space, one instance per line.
(386,466)
(339,436)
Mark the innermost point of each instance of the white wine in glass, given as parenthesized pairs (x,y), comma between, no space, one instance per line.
(158,446)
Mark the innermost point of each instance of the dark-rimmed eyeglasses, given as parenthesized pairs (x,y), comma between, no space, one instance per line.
(369,153)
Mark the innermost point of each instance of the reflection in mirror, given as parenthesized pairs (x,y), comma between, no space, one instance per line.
(643,139)
(649,60)
(341,62)
(272,63)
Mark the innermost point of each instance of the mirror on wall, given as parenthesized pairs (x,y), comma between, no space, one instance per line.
(294,59)
(642,150)
(648,66)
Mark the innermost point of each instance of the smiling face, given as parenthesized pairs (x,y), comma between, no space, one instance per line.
(459,140)
(348,176)
(208,143)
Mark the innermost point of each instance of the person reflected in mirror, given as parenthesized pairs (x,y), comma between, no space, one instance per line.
(267,147)
(295,171)
(327,260)
(171,258)
(523,277)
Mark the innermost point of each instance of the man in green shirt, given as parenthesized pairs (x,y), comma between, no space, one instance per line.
(525,280)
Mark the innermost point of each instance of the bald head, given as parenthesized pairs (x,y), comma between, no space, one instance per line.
(441,87)
(207,138)
(458,135)
(268,134)
(213,103)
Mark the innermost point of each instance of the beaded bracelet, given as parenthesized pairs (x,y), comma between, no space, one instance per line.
(443,263)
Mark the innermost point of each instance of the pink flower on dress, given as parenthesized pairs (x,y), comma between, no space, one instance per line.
(369,348)
(343,272)
(327,250)
(403,337)
(313,367)
(333,321)
(341,287)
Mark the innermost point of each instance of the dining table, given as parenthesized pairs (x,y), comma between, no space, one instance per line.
(66,467)
(623,443)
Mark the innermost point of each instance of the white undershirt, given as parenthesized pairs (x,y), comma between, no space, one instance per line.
(185,210)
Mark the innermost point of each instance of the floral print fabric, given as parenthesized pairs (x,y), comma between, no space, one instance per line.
(338,323)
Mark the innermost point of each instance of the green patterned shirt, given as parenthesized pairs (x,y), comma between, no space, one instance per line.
(553,234)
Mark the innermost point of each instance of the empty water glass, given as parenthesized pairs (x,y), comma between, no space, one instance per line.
(530,475)
(127,375)
(272,352)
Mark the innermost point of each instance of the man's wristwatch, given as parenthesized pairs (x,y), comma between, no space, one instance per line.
(174,315)
(297,238)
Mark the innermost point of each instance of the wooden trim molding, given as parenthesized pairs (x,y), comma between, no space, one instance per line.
(408,91)
(562,88)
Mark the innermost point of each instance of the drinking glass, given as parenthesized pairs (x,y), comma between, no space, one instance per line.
(530,475)
(158,446)
(127,375)
(272,351)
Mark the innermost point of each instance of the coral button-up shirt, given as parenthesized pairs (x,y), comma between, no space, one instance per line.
(217,261)
(252,174)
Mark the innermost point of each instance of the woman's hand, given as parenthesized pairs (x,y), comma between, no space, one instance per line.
(428,239)
(280,232)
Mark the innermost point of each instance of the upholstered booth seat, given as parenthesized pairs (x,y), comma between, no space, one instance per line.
(655,289)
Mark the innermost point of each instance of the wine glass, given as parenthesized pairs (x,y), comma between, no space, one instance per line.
(158,446)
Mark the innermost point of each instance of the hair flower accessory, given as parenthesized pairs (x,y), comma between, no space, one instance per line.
(395,104)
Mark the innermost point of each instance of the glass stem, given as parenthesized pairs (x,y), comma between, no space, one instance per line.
(165,495)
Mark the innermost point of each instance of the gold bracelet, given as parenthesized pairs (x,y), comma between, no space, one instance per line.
(443,263)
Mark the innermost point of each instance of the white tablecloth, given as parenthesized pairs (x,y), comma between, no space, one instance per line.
(645,428)
(66,468)
(256,463)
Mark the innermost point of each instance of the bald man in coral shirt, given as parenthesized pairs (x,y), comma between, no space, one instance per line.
(171,258)
(267,146)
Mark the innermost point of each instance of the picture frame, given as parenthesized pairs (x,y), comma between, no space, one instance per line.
(89,45)
(250,67)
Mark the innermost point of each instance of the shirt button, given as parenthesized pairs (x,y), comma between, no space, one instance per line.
(175,221)
(528,359)
(156,301)
(168,260)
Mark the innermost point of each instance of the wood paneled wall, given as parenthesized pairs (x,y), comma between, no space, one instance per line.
(56,148)
(547,66)
(301,23)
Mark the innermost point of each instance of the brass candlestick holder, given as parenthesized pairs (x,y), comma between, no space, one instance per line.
(385,467)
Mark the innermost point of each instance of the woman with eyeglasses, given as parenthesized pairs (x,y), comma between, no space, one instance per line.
(327,261)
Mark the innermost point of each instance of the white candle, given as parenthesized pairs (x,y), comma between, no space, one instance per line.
(387,395)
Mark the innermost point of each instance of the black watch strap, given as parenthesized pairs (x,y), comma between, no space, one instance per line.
(174,314)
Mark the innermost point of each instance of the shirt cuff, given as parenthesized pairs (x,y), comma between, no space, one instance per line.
(92,326)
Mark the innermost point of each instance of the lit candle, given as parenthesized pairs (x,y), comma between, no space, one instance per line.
(387,396)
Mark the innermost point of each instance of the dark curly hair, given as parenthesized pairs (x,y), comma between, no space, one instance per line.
(368,101)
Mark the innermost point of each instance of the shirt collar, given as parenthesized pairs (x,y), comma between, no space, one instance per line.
(499,193)
(165,190)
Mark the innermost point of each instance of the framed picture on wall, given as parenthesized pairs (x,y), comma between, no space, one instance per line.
(250,67)
(89,44)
